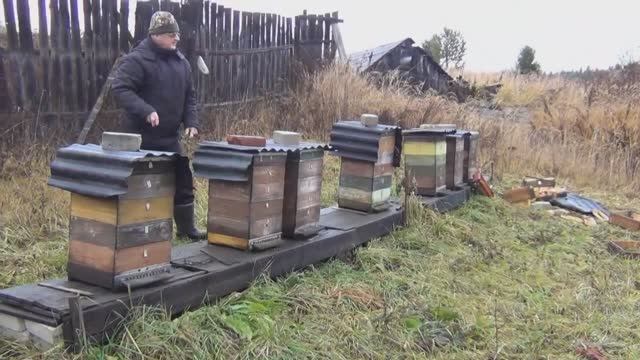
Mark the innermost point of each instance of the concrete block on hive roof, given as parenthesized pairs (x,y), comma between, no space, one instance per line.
(287,138)
(369,120)
(121,141)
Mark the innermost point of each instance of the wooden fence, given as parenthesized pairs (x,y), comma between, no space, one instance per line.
(61,68)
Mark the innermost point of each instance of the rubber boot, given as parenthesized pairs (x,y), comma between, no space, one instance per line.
(186,224)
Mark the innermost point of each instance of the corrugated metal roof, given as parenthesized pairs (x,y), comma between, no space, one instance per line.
(352,140)
(429,131)
(91,171)
(217,160)
(365,59)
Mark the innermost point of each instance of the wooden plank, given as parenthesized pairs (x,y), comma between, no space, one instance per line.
(266,226)
(114,21)
(55,70)
(228,28)
(93,256)
(238,228)
(78,87)
(220,60)
(255,59)
(225,240)
(235,64)
(214,77)
(10,24)
(133,211)
(229,190)
(97,48)
(30,98)
(356,167)
(93,232)
(142,256)
(43,43)
(124,26)
(141,234)
(337,36)
(229,208)
(89,275)
(326,39)
(149,186)
(11,65)
(101,210)
(70,99)
(263,56)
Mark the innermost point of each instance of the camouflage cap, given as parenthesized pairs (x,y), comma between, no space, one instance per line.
(163,22)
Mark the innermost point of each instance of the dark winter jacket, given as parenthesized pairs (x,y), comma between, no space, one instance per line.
(153,79)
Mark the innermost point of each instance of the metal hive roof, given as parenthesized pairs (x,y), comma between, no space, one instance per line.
(89,170)
(352,140)
(221,161)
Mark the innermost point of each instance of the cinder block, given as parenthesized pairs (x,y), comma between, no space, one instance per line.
(48,334)
(287,138)
(12,323)
(19,336)
(369,120)
(121,141)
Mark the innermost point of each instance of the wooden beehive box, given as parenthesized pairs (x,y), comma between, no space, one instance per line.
(368,157)
(246,194)
(302,190)
(470,163)
(121,214)
(425,152)
(454,161)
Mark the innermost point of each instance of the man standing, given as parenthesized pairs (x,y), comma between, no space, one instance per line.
(153,85)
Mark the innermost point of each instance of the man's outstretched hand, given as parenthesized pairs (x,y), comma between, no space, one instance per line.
(153,119)
(191,132)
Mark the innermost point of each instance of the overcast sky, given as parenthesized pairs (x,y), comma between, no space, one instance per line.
(566,34)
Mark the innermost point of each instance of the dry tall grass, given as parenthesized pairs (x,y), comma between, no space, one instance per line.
(586,135)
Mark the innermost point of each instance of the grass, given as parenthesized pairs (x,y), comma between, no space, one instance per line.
(486,281)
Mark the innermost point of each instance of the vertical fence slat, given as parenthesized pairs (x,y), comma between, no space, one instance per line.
(10,63)
(235,85)
(214,77)
(124,26)
(43,44)
(67,65)
(78,88)
(26,71)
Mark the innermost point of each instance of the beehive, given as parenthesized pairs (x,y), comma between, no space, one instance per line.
(121,214)
(368,154)
(470,162)
(425,151)
(246,194)
(302,189)
(455,160)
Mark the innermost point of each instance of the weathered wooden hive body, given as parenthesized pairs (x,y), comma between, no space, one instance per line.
(425,154)
(246,194)
(368,157)
(455,160)
(302,188)
(121,216)
(470,162)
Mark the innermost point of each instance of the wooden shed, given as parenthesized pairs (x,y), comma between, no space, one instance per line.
(403,56)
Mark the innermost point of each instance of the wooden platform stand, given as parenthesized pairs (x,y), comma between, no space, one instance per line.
(201,273)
